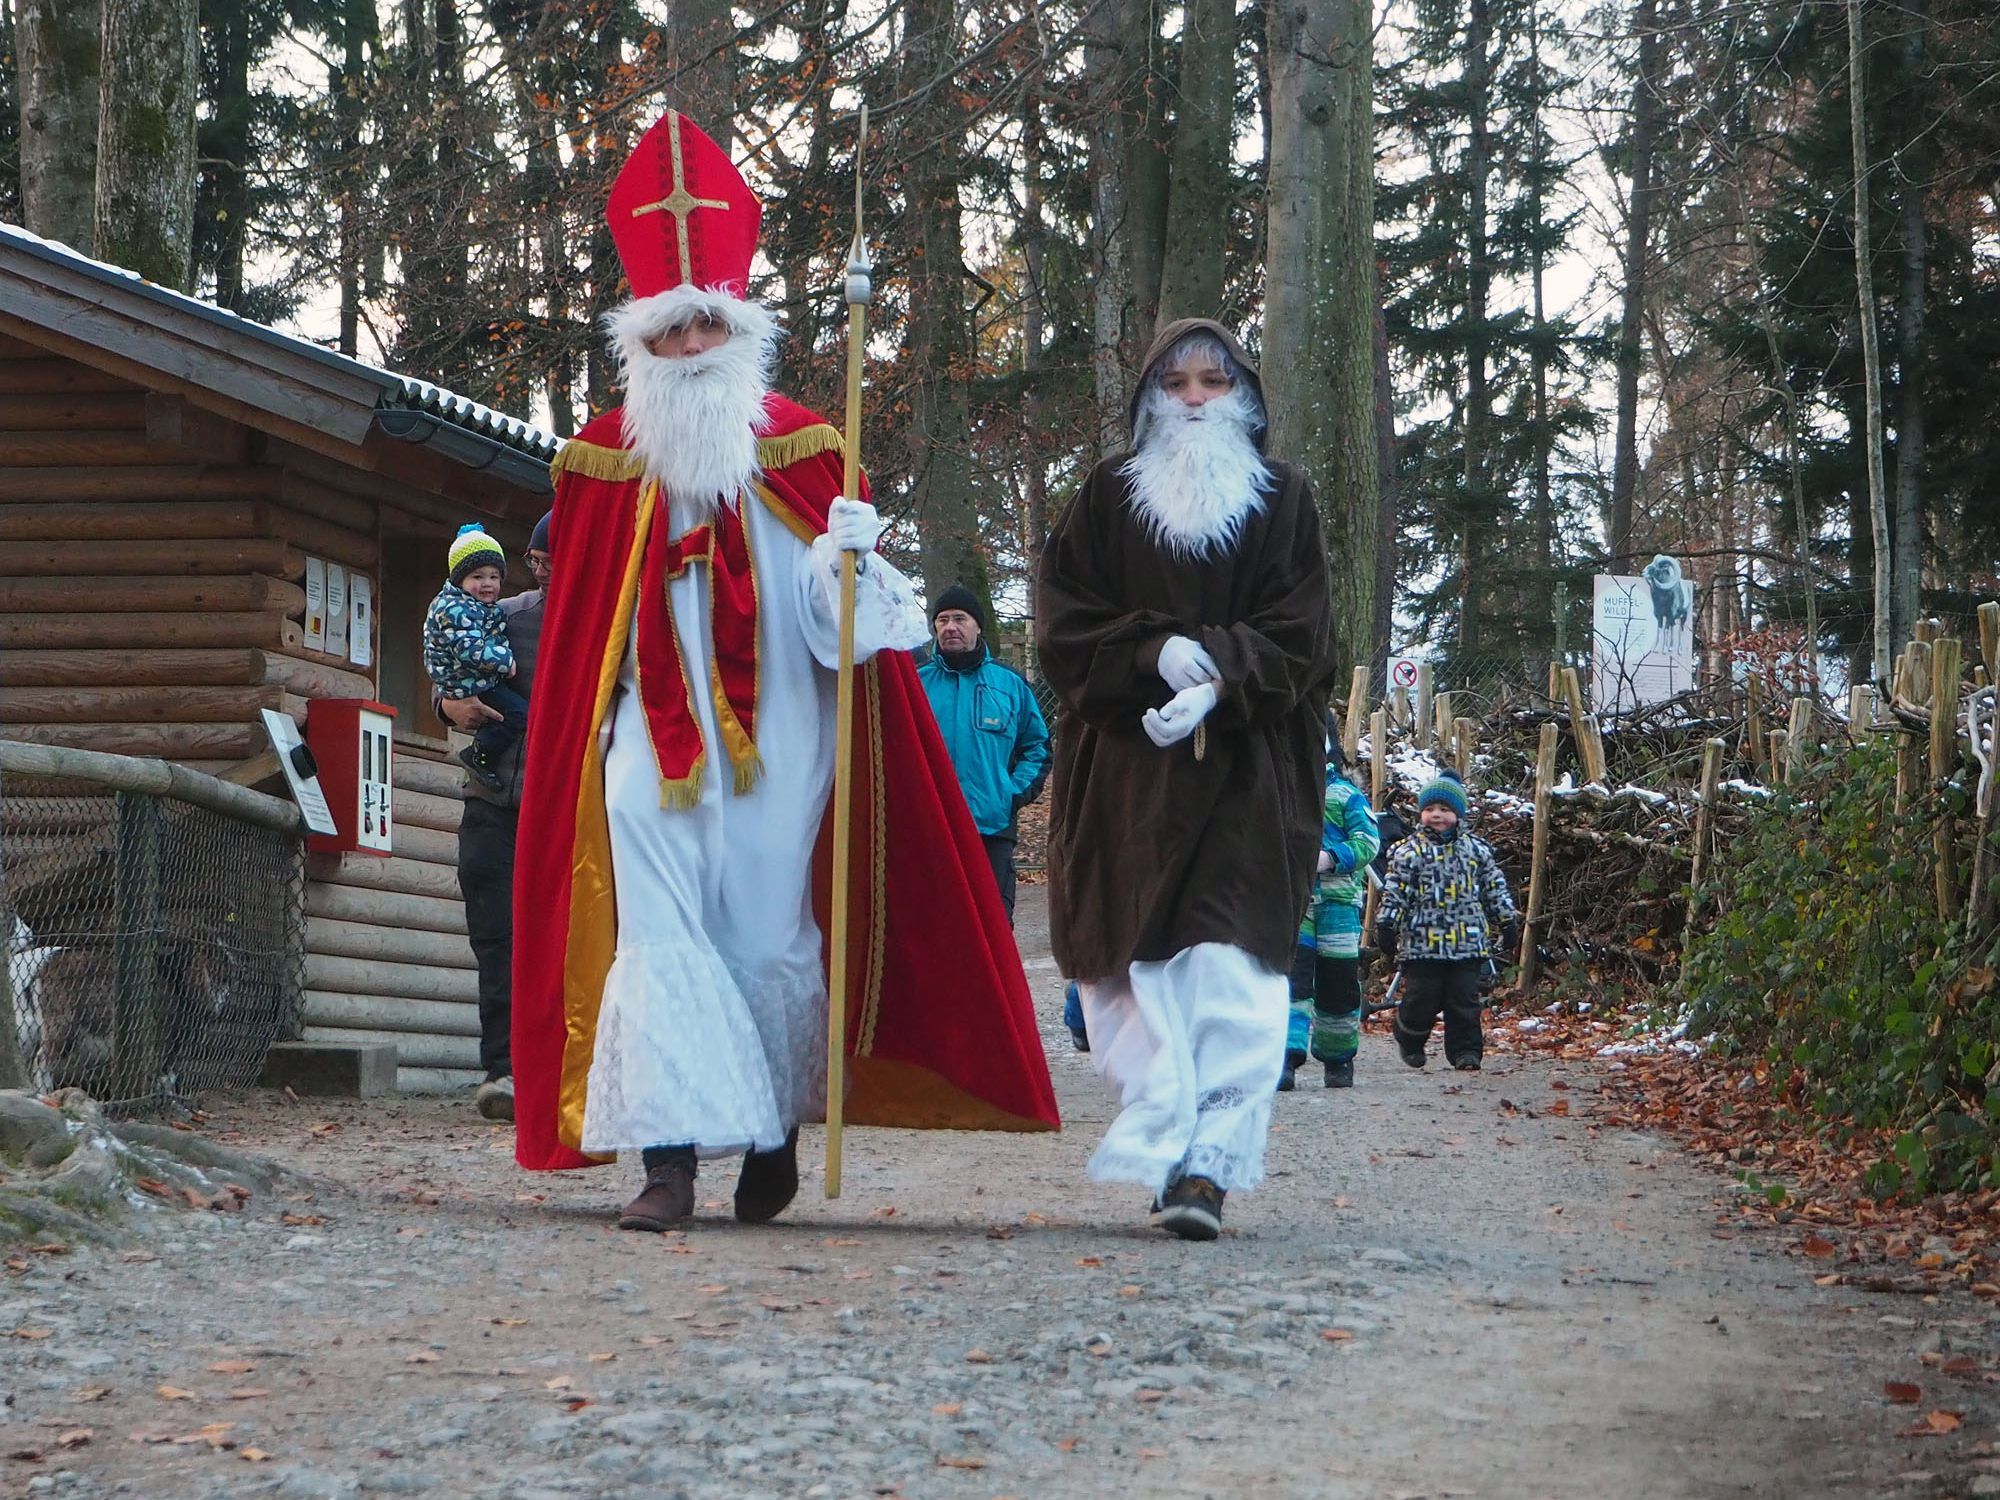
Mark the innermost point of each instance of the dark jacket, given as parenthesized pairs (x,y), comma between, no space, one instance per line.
(995,733)
(522,617)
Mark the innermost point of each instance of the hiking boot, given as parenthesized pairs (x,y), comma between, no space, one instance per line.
(480,768)
(495,1099)
(1080,1037)
(769,1182)
(1191,1209)
(1465,1062)
(1289,1079)
(668,1198)
(1340,1075)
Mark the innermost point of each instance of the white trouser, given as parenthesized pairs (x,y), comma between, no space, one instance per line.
(1193,1048)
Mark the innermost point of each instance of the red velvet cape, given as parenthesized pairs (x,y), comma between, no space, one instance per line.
(940,1028)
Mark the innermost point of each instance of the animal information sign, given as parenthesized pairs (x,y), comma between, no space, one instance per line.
(1642,649)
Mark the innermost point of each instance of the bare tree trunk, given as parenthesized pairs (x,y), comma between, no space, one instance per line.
(1110,266)
(1871,354)
(701,53)
(1638,237)
(1034,326)
(1542,507)
(59,46)
(1475,537)
(1382,635)
(1198,197)
(938,334)
(1143,135)
(149,77)
(346,83)
(1906,599)
(1320,298)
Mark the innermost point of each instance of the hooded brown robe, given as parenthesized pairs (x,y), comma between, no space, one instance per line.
(1152,851)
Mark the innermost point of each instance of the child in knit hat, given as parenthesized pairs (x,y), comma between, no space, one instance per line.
(466,651)
(1447,907)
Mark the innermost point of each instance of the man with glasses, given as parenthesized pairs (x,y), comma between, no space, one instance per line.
(486,833)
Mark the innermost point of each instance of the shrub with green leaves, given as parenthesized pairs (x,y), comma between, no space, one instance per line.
(1827,955)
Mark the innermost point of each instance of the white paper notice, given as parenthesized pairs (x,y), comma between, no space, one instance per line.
(336,609)
(285,739)
(315,604)
(361,619)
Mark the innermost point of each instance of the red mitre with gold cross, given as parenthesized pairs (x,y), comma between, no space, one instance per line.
(682,215)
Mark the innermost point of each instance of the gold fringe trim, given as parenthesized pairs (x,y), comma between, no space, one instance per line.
(595,462)
(807,442)
(684,793)
(878,840)
(747,773)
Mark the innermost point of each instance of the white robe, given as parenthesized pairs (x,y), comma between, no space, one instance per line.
(1193,1048)
(712,1028)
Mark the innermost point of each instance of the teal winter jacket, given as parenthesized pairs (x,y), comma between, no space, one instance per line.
(994,730)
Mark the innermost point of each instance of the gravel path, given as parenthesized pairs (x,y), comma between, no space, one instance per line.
(1437,1293)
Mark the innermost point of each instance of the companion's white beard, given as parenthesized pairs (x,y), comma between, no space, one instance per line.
(1197,475)
(694,421)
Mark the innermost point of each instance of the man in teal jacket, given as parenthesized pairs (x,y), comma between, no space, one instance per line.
(992,726)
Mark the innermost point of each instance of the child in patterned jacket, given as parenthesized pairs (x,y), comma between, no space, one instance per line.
(466,651)
(1447,907)
(1326,969)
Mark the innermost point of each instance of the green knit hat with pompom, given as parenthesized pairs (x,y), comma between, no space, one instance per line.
(473,548)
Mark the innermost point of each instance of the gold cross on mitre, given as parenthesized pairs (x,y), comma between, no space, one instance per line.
(680,202)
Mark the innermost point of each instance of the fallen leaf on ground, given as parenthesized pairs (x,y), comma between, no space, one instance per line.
(138,1257)
(1090,1260)
(510,1322)
(953,1461)
(174,1393)
(603,1358)
(1068,1444)
(1960,1364)
(49,1249)
(422,1357)
(26,1455)
(31,1333)
(253,1455)
(1944,1421)
(232,1367)
(1902,1393)
(947,1408)
(978,1357)
(560,1383)
(1335,1335)
(248,1393)
(301,1220)
(76,1437)
(888,1211)
(90,1393)
(712,1289)
(1129,1291)
(652,1339)
(1818,1246)
(777,1304)
(1150,1395)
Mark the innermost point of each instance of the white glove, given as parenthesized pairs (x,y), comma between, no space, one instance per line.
(1325,861)
(1183,664)
(853,525)
(1174,723)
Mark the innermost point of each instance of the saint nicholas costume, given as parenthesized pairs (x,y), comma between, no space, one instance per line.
(669,971)
(1177,873)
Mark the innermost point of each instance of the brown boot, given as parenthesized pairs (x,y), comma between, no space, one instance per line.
(668,1198)
(769,1182)
(1192,1209)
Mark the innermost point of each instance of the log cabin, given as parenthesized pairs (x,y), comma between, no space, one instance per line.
(202,517)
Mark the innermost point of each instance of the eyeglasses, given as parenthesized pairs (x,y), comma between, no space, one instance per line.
(538,564)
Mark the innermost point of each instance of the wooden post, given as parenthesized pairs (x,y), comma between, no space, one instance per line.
(1860,712)
(1399,704)
(13,1064)
(1545,778)
(1465,735)
(1914,675)
(1924,631)
(135,1017)
(1421,722)
(1441,723)
(1704,823)
(1798,736)
(1780,763)
(1753,718)
(1357,710)
(1989,639)
(1583,726)
(1555,682)
(1944,758)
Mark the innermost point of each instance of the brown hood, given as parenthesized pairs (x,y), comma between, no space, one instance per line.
(1171,335)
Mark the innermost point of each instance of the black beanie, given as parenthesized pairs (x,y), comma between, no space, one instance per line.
(958,596)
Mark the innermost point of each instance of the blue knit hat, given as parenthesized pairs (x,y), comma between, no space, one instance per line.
(1446,790)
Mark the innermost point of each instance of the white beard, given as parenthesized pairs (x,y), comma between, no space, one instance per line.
(694,421)
(1197,475)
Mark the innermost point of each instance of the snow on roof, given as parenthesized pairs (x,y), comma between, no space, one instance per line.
(399,392)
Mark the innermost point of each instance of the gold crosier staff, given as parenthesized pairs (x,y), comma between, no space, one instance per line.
(860,288)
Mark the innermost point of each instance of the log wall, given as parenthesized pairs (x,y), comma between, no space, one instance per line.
(152,559)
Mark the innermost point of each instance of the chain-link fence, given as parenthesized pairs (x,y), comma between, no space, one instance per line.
(153,944)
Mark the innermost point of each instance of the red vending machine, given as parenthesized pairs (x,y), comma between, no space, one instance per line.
(352,739)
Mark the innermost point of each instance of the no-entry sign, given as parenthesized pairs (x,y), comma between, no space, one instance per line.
(1402,671)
